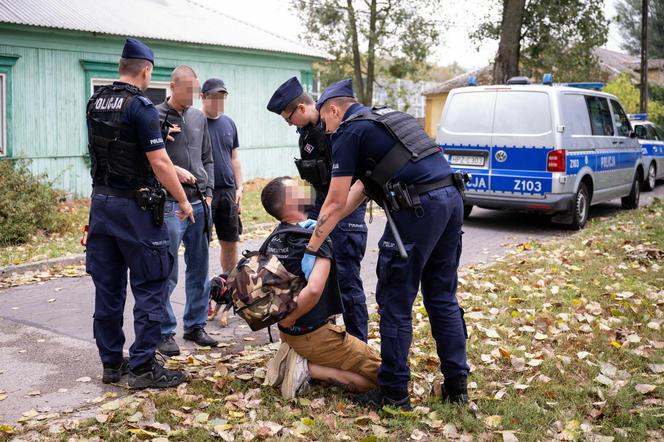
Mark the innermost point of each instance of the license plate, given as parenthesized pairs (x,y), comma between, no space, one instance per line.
(467,160)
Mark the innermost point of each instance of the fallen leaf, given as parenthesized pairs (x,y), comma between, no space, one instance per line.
(84,379)
(112,405)
(645,388)
(494,421)
(509,436)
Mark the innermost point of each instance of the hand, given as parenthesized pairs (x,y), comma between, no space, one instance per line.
(175,129)
(186,211)
(308,224)
(184,175)
(208,200)
(238,200)
(287,322)
(307,264)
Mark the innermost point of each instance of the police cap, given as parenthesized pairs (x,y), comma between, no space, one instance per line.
(284,94)
(343,88)
(137,49)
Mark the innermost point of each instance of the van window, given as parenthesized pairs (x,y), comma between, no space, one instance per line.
(659,132)
(470,112)
(600,115)
(641,132)
(522,112)
(575,114)
(619,117)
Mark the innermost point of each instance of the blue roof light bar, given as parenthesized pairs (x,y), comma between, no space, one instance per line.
(640,117)
(597,86)
(547,79)
(472,80)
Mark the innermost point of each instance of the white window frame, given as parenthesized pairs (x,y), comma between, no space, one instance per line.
(104,81)
(3,114)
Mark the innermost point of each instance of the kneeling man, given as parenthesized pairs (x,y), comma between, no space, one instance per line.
(316,347)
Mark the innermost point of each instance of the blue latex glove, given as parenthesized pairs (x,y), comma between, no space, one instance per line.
(307,264)
(308,224)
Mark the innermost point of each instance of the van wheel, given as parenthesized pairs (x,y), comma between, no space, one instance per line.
(651,177)
(467,208)
(581,208)
(631,201)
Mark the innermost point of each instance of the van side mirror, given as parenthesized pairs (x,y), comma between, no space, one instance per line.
(632,134)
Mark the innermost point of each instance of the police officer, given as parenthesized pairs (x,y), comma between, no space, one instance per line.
(386,154)
(315,166)
(126,230)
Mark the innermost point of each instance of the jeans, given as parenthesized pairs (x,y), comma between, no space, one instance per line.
(196,284)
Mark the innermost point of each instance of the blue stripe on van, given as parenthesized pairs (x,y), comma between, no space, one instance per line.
(600,161)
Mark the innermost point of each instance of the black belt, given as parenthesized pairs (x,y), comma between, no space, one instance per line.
(112,191)
(424,188)
(300,331)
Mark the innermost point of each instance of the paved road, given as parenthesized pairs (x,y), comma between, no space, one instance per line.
(46,346)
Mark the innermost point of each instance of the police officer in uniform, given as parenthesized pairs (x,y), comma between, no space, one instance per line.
(126,228)
(315,166)
(387,155)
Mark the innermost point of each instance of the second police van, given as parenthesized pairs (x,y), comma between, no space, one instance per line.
(553,149)
(651,139)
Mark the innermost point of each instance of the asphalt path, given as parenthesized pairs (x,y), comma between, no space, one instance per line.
(46,347)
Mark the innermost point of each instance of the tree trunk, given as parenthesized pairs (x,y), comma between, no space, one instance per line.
(357,59)
(643,102)
(506,64)
(368,99)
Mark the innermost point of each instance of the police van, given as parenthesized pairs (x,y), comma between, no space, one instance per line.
(651,138)
(550,148)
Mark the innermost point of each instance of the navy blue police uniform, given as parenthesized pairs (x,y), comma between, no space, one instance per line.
(123,125)
(431,233)
(350,235)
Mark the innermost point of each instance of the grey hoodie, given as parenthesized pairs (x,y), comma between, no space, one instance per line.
(191,149)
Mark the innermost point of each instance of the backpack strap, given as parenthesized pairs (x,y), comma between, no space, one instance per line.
(288,229)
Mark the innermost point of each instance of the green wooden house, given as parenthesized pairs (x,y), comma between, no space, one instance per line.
(53,53)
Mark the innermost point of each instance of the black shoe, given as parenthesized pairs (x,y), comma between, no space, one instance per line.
(112,374)
(154,375)
(378,398)
(455,391)
(199,336)
(168,346)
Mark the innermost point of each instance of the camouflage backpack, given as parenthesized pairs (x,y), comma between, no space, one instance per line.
(263,292)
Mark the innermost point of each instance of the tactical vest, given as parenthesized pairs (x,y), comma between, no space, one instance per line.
(113,149)
(413,144)
(315,162)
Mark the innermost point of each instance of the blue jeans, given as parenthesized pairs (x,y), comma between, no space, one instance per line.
(196,284)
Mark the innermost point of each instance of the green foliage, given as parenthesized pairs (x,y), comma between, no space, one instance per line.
(629,96)
(386,38)
(629,19)
(27,204)
(557,37)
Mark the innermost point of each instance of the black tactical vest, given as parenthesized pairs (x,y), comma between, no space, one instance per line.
(413,144)
(113,147)
(315,162)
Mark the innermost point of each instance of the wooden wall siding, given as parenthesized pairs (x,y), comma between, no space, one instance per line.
(48,110)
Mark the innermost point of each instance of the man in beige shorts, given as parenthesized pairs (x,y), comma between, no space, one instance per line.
(312,345)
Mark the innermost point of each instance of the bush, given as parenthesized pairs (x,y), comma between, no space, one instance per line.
(629,96)
(28,205)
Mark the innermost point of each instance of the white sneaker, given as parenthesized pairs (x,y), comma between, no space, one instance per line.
(296,376)
(277,366)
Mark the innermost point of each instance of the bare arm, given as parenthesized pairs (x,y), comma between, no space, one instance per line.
(237,173)
(332,211)
(311,293)
(165,172)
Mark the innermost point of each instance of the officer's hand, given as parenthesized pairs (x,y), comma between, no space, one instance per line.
(287,322)
(184,175)
(307,264)
(175,129)
(186,211)
(308,224)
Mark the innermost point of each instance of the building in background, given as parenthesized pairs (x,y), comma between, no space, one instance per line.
(55,53)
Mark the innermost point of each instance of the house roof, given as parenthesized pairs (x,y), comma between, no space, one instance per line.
(614,63)
(484,76)
(185,21)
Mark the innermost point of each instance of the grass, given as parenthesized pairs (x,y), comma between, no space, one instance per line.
(565,343)
(41,246)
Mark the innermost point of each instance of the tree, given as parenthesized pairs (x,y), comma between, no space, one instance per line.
(365,35)
(628,17)
(555,36)
(629,97)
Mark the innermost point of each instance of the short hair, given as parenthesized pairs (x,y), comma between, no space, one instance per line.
(273,196)
(303,98)
(341,101)
(132,66)
(181,71)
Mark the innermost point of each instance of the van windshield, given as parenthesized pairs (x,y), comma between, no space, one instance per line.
(499,112)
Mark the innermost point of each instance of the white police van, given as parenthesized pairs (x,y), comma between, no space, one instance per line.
(651,139)
(554,149)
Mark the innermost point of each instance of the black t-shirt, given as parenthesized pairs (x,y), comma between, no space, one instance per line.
(289,248)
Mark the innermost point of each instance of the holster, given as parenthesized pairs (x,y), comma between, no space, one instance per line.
(153,199)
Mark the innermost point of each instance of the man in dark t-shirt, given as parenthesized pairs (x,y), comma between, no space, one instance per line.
(312,345)
(227,192)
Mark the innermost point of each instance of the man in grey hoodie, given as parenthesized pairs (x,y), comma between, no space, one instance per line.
(188,146)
